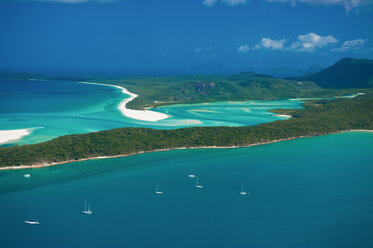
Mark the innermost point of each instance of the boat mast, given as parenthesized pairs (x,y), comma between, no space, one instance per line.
(29,210)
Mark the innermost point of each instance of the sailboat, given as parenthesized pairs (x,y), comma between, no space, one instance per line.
(243,192)
(198,185)
(26,175)
(87,211)
(192,176)
(30,221)
(157,191)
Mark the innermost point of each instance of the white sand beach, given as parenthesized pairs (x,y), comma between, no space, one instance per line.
(282,115)
(143,115)
(362,130)
(12,135)
(351,96)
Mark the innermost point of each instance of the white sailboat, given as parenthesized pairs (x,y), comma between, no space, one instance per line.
(199,186)
(192,176)
(30,221)
(157,191)
(87,210)
(27,175)
(243,192)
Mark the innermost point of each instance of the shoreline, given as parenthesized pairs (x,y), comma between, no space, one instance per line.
(42,165)
(142,115)
(361,130)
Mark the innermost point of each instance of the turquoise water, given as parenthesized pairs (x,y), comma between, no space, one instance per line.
(310,192)
(55,108)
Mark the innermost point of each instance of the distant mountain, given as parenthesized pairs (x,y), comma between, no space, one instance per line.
(285,71)
(19,75)
(248,75)
(204,69)
(313,69)
(346,73)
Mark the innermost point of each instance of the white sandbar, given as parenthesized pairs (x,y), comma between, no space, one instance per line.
(12,135)
(282,115)
(143,115)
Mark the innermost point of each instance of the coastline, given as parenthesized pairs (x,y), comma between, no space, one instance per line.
(142,115)
(35,166)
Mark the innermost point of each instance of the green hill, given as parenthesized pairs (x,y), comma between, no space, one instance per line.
(346,73)
(154,91)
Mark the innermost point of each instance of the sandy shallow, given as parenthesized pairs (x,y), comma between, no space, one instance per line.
(12,135)
(143,115)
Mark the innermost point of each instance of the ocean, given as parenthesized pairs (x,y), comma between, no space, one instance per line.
(310,192)
(304,193)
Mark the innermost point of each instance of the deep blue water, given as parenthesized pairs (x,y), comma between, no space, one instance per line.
(310,192)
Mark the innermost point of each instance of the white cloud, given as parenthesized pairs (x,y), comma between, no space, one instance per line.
(304,43)
(348,4)
(351,45)
(310,42)
(210,3)
(243,49)
(268,43)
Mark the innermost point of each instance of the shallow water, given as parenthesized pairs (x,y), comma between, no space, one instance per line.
(55,108)
(310,192)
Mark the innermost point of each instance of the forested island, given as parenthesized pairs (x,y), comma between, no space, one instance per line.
(319,117)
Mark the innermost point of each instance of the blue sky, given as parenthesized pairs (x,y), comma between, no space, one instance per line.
(65,34)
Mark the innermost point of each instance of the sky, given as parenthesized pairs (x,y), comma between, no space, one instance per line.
(98,34)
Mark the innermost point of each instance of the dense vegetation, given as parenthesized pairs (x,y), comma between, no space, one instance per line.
(346,73)
(154,91)
(320,117)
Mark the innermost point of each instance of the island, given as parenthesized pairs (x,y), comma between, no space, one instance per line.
(320,117)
